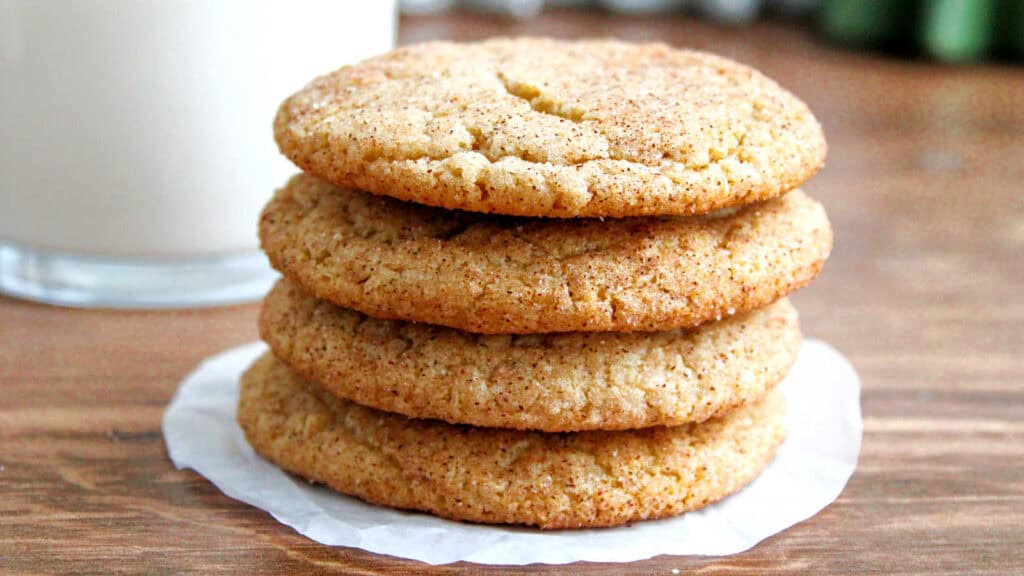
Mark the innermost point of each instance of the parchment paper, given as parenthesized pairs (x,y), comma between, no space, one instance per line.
(811,469)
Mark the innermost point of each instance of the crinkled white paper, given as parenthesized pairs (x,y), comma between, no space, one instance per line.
(810,471)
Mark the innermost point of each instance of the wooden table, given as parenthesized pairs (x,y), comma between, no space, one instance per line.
(925,187)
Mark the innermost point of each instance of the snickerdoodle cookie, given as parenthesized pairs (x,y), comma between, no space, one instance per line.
(572,480)
(543,127)
(505,275)
(554,382)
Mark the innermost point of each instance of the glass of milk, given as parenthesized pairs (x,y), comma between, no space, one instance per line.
(136,148)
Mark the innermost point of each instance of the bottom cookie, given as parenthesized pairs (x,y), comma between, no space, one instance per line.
(566,480)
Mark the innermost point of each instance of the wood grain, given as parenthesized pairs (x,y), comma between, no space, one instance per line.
(925,186)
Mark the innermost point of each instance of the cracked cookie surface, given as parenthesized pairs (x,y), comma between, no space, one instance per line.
(573,480)
(555,383)
(505,275)
(541,127)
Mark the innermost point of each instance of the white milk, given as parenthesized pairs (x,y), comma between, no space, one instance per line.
(142,128)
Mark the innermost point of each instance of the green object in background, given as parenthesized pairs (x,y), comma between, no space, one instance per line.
(866,23)
(1010,27)
(957,30)
(947,30)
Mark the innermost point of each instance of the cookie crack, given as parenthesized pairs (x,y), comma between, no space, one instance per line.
(479,143)
(533,96)
(729,235)
(560,259)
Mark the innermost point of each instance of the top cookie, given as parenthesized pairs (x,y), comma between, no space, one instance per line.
(540,127)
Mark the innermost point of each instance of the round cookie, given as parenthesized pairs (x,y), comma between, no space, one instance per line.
(555,383)
(542,127)
(504,275)
(576,480)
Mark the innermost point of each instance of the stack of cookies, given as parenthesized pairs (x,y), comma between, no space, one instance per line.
(535,282)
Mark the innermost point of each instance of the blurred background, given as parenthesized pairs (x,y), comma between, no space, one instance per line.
(946,30)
